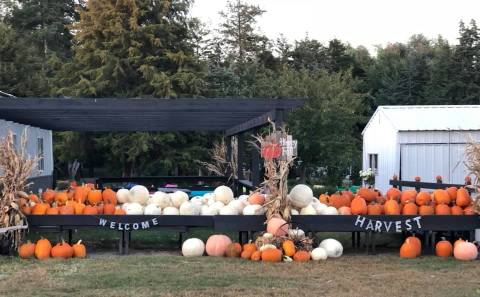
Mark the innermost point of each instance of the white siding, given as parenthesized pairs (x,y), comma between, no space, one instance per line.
(32,134)
(437,136)
(381,138)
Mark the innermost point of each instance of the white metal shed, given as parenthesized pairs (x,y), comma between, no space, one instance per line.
(419,140)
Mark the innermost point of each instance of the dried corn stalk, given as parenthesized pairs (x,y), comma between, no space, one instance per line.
(472,162)
(276,175)
(220,164)
(15,169)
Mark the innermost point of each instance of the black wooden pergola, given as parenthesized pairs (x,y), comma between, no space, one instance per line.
(231,116)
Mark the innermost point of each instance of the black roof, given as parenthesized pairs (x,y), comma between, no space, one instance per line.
(231,115)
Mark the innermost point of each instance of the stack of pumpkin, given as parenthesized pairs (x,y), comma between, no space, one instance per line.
(450,201)
(267,248)
(77,200)
(461,250)
(43,249)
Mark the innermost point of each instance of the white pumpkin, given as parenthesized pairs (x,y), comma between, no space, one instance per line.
(237,204)
(333,247)
(254,209)
(267,246)
(178,197)
(123,196)
(301,196)
(152,209)
(244,199)
(228,210)
(223,194)
(186,209)
(213,210)
(330,211)
(296,233)
(133,208)
(294,212)
(217,206)
(318,254)
(205,210)
(171,211)
(320,207)
(268,235)
(308,210)
(198,201)
(139,194)
(193,247)
(160,199)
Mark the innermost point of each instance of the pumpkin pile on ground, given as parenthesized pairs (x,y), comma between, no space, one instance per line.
(43,249)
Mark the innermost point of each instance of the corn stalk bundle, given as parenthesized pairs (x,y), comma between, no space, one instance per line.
(15,169)
(472,162)
(220,164)
(276,175)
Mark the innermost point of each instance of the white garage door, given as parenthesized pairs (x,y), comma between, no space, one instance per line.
(430,160)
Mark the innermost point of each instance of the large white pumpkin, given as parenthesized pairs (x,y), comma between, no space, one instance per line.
(207,211)
(244,199)
(123,196)
(318,254)
(294,212)
(160,199)
(308,210)
(178,197)
(193,247)
(171,211)
(133,208)
(139,194)
(228,210)
(187,209)
(217,206)
(333,247)
(152,209)
(301,196)
(320,207)
(223,194)
(253,209)
(237,204)
(330,210)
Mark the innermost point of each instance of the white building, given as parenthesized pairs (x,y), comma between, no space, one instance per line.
(39,143)
(423,141)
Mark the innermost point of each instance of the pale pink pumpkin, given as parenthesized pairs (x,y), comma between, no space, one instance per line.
(217,245)
(465,251)
(344,211)
(277,226)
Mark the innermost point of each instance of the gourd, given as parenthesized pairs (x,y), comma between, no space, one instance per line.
(301,196)
(133,208)
(79,250)
(152,209)
(139,194)
(277,226)
(43,249)
(333,247)
(223,194)
(254,209)
(465,251)
(318,254)
(123,196)
(178,197)
(217,244)
(26,250)
(267,246)
(308,210)
(171,211)
(160,199)
(330,211)
(193,247)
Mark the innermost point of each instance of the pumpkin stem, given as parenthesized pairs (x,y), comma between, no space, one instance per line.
(80,241)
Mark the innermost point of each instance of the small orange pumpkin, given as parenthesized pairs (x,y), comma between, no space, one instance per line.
(79,250)
(441,196)
(374,209)
(61,198)
(426,210)
(416,241)
(271,255)
(358,206)
(62,250)
(394,194)
(463,198)
(246,254)
(252,247)
(452,192)
(324,198)
(408,196)
(78,208)
(48,196)
(442,209)
(40,208)
(109,209)
(408,249)
(42,249)
(443,248)
(410,208)
(26,250)
(233,250)
(80,194)
(301,256)
(367,194)
(52,211)
(90,210)
(423,198)
(391,207)
(256,198)
(67,210)
(94,197)
(288,248)
(456,210)
(109,197)
(256,256)
(119,211)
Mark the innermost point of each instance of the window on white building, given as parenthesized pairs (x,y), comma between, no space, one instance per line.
(373,162)
(40,154)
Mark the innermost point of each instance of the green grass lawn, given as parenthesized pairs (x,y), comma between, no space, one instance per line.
(156,268)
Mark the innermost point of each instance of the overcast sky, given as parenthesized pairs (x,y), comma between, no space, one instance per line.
(359,22)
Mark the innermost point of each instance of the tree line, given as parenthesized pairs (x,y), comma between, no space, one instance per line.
(154,48)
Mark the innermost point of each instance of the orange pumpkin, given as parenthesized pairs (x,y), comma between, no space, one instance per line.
(408,249)
(391,207)
(52,211)
(62,250)
(301,256)
(469,211)
(48,196)
(94,197)
(443,248)
(452,192)
(324,198)
(256,198)
(271,255)
(442,209)
(337,200)
(410,209)
(61,198)
(423,198)
(463,198)
(78,208)
(456,210)
(374,209)
(288,248)
(394,194)
(250,247)
(256,256)
(26,209)
(109,197)
(367,194)
(40,208)
(42,249)
(416,241)
(90,210)
(233,250)
(426,210)
(80,194)
(26,250)
(408,196)
(34,198)
(109,209)
(79,250)
(381,200)
(99,208)
(349,194)
(246,255)
(119,211)
(441,196)
(358,206)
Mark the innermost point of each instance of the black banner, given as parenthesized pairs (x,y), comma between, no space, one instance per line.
(368,224)
(142,225)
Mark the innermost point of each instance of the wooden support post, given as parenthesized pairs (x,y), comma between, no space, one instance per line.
(228,143)
(255,168)
(240,158)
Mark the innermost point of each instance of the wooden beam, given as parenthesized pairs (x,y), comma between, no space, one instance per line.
(253,123)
